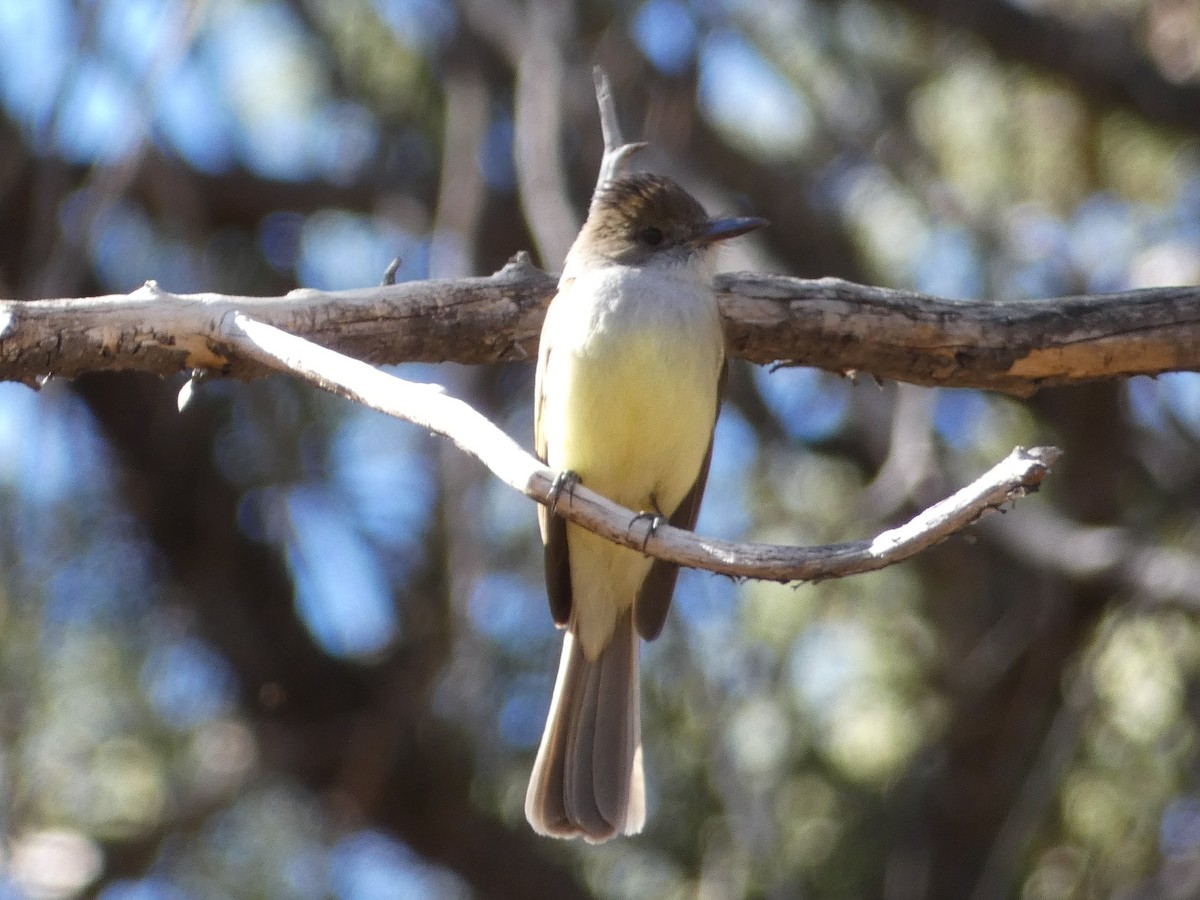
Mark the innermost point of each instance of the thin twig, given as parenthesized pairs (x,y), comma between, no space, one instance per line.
(617,152)
(428,406)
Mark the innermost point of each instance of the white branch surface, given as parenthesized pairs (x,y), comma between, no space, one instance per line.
(430,407)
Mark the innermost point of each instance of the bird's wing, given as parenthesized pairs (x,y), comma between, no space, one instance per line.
(654,596)
(554,528)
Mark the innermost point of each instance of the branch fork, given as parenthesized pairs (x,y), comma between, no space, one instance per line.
(429,406)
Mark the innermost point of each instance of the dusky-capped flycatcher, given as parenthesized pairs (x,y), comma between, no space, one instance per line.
(630,366)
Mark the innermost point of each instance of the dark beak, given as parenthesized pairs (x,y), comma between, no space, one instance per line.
(722,229)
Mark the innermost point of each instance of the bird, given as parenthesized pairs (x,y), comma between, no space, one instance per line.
(631,362)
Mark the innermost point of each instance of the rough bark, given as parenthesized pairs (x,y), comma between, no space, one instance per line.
(1011,346)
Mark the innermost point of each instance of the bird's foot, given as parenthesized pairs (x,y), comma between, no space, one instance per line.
(563,481)
(653,517)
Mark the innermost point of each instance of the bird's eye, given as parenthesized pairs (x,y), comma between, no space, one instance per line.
(650,236)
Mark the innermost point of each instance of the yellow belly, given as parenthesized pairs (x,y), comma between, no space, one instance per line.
(631,411)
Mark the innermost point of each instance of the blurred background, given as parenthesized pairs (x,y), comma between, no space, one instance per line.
(277,646)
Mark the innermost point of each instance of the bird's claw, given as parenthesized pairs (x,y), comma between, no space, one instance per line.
(563,481)
(655,518)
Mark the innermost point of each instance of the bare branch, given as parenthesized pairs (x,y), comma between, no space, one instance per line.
(428,406)
(1011,346)
(617,153)
(537,110)
(470,320)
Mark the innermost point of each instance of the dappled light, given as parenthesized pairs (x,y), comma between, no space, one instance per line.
(278,645)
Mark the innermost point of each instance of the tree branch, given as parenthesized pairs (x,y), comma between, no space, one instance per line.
(617,151)
(1010,346)
(428,406)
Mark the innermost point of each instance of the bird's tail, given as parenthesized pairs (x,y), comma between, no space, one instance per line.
(587,779)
